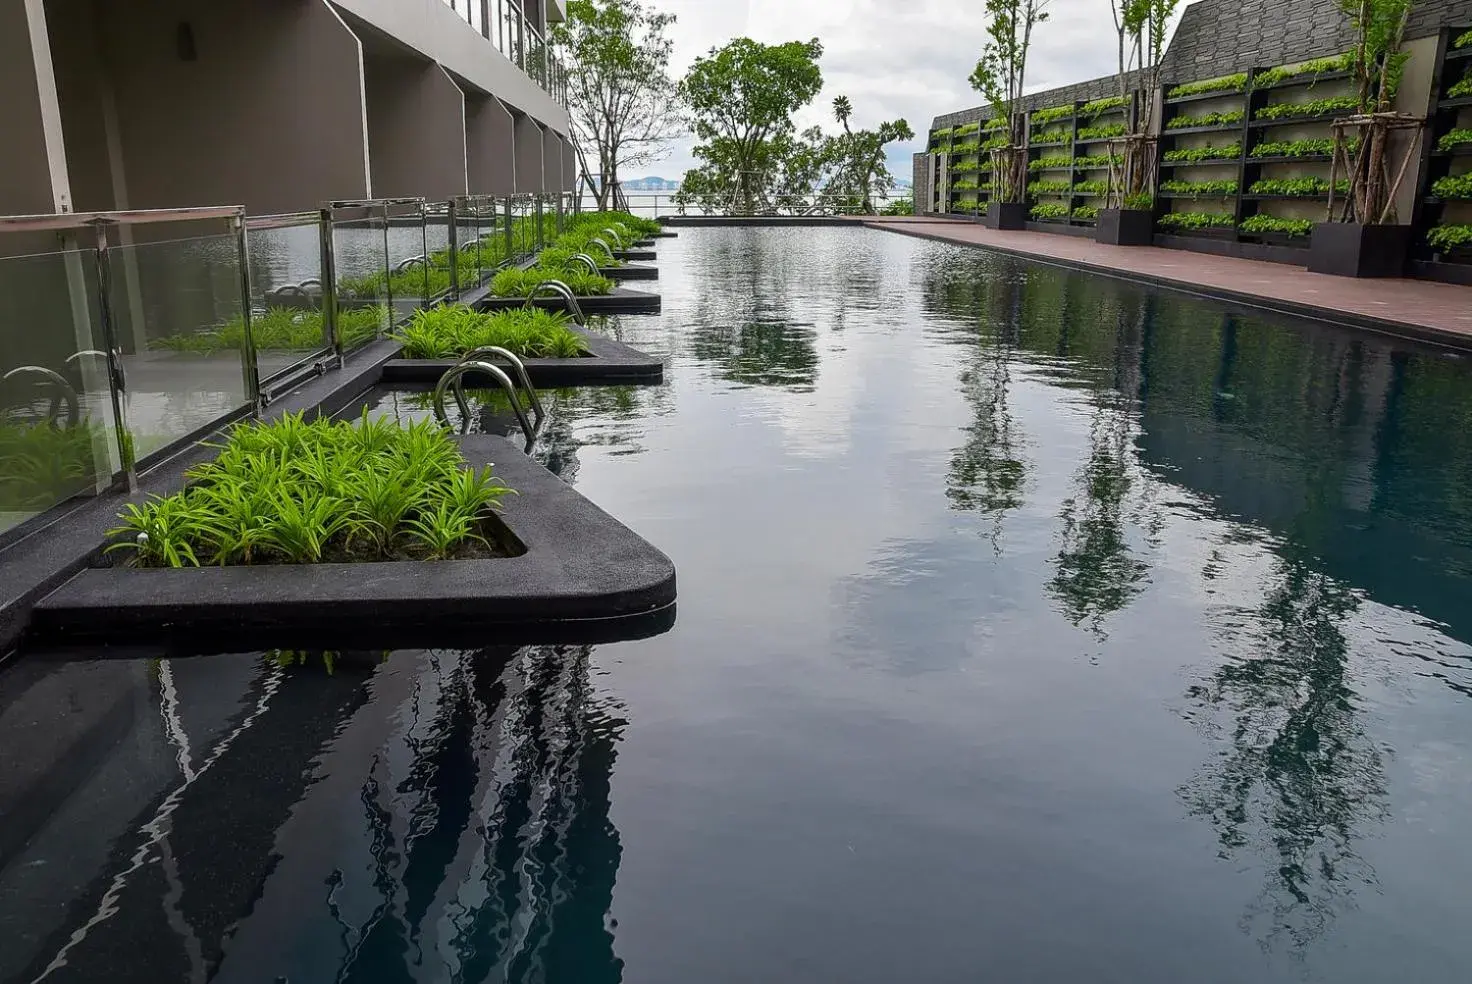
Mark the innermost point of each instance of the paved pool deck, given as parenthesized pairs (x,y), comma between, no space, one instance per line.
(1420,309)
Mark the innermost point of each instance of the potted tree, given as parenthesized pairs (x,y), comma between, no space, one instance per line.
(999,76)
(1128,215)
(1363,236)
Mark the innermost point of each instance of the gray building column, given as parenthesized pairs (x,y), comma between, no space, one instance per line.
(569,166)
(490,146)
(33,172)
(552,162)
(530,146)
(416,129)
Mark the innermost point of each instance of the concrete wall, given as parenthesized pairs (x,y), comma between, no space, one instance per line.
(552,162)
(416,129)
(529,150)
(569,167)
(33,178)
(265,111)
(490,146)
(437,33)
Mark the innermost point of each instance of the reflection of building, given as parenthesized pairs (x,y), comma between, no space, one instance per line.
(442,818)
(279,105)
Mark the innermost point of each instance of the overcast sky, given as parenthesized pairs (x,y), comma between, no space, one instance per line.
(893,58)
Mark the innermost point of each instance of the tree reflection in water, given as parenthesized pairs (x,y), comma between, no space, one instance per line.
(1301,779)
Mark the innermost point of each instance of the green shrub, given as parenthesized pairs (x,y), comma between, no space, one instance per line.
(515,282)
(1102,131)
(900,206)
(1141,200)
(1448,141)
(279,329)
(1463,41)
(1094,161)
(1224,84)
(1317,67)
(1049,188)
(1049,210)
(1050,161)
(965,184)
(1049,137)
(1052,114)
(995,123)
(1098,107)
(1200,189)
(1316,107)
(1444,238)
(1087,212)
(449,332)
(1197,220)
(1297,187)
(1462,88)
(1205,119)
(1453,186)
(304,492)
(1208,153)
(966,129)
(1091,188)
(995,143)
(1271,223)
(1313,147)
(969,147)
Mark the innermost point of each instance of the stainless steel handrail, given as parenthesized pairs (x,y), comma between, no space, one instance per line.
(74,404)
(615,234)
(453,377)
(561,290)
(588,262)
(517,366)
(606,248)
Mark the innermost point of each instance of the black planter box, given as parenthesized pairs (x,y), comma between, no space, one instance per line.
(1351,249)
(1125,227)
(1006,215)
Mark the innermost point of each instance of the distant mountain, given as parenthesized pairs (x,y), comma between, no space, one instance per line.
(651,184)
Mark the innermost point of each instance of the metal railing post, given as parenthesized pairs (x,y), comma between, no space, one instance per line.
(252,366)
(329,289)
(510,235)
(541,239)
(453,215)
(424,252)
(117,383)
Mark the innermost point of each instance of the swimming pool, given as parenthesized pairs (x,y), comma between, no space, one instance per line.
(1033,626)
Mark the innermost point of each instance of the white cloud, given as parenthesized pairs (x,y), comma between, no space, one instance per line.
(893,58)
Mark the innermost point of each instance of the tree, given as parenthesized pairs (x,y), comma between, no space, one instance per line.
(861,173)
(1141,26)
(623,104)
(741,100)
(999,76)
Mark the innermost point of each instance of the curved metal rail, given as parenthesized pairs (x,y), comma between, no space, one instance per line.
(403,265)
(73,403)
(586,261)
(606,248)
(518,368)
(616,235)
(563,291)
(454,376)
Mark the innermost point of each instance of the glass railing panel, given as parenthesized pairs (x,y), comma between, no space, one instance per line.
(58,432)
(287,322)
(437,248)
(407,261)
(360,257)
(182,334)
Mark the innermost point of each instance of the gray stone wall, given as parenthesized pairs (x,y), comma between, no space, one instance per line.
(921,178)
(1220,37)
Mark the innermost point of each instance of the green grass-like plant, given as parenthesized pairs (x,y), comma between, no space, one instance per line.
(1445,238)
(1049,210)
(296,491)
(1208,153)
(1101,131)
(1205,119)
(1224,84)
(451,331)
(1091,188)
(45,464)
(1257,224)
(1197,220)
(1316,107)
(1462,88)
(1052,114)
(515,282)
(1311,147)
(1050,161)
(1086,212)
(279,329)
(1303,187)
(1098,107)
(965,184)
(1453,186)
(1200,189)
(1316,67)
(1454,138)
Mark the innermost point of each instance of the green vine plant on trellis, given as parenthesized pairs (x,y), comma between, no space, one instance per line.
(1140,28)
(999,76)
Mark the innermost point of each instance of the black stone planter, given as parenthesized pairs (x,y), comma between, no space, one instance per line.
(621,301)
(630,271)
(609,363)
(1351,249)
(1006,215)
(1125,227)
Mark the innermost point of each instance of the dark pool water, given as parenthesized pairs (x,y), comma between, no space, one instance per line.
(1032,627)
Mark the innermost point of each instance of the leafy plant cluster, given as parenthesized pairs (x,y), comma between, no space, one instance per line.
(1316,67)
(1224,84)
(45,464)
(516,282)
(278,328)
(1449,237)
(1449,141)
(1091,188)
(1087,212)
(965,184)
(1101,131)
(1052,114)
(966,129)
(1453,186)
(995,143)
(1208,153)
(1142,200)
(1049,210)
(969,147)
(1310,147)
(1095,161)
(1315,107)
(1304,187)
(1098,107)
(451,331)
(1226,118)
(1049,188)
(1462,88)
(1197,220)
(1050,161)
(302,492)
(1463,40)
(1050,137)
(1200,189)
(1257,224)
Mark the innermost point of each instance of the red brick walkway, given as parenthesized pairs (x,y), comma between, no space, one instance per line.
(1417,308)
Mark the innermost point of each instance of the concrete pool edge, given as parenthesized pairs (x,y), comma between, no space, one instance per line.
(581,565)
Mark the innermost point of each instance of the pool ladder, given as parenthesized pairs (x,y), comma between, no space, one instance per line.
(563,291)
(478,360)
